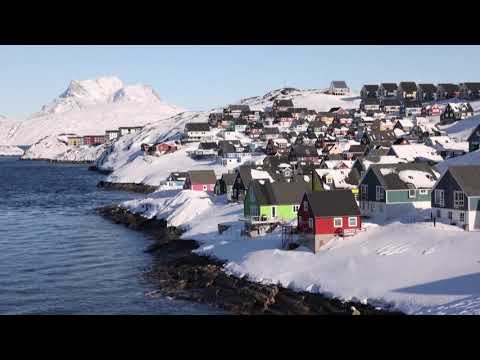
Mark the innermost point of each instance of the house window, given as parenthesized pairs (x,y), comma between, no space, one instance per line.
(423,191)
(337,222)
(439,214)
(305,205)
(204,187)
(274,211)
(462,217)
(440,197)
(412,193)
(352,221)
(458,199)
(450,215)
(379,193)
(329,180)
(310,223)
(364,191)
(295,208)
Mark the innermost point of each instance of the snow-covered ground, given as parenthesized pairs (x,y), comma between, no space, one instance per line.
(89,107)
(408,264)
(55,148)
(10,150)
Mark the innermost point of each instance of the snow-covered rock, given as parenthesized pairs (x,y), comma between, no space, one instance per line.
(9,150)
(56,148)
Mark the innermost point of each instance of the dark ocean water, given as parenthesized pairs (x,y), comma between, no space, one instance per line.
(58,257)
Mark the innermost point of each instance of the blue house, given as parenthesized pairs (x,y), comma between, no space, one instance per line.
(456,197)
(474,140)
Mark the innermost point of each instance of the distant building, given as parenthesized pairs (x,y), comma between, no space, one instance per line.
(93,140)
(200,180)
(338,88)
(282,105)
(474,139)
(387,90)
(125,130)
(112,135)
(407,90)
(75,141)
(426,92)
(369,91)
(470,90)
(197,131)
(447,91)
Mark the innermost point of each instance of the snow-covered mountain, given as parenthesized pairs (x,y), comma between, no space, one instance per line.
(10,150)
(89,107)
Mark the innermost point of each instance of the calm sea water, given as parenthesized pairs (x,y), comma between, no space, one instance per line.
(58,257)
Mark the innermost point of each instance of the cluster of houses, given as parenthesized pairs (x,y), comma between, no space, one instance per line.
(409,98)
(322,172)
(109,136)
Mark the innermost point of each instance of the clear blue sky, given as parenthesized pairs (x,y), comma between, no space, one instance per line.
(202,77)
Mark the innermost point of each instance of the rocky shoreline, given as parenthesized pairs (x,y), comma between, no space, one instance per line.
(57,161)
(101,171)
(185,275)
(138,188)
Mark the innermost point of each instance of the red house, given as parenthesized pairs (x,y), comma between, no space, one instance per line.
(326,213)
(93,140)
(200,180)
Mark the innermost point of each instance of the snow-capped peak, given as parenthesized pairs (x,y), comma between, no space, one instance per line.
(136,93)
(83,93)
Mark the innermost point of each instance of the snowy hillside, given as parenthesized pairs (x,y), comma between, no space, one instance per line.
(56,148)
(8,150)
(90,107)
(311,99)
(126,159)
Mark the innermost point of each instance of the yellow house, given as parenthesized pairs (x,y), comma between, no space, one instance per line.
(75,141)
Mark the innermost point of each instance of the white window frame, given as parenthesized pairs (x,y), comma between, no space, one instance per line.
(350,221)
(335,220)
(440,197)
(462,217)
(450,215)
(423,191)
(296,208)
(458,203)
(364,190)
(414,193)
(379,194)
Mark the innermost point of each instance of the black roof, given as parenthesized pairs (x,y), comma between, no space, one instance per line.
(357,148)
(208,146)
(238,108)
(467,177)
(202,176)
(390,102)
(427,88)
(295,110)
(229,178)
(370,101)
(333,203)
(371,87)
(472,86)
(339,84)
(449,88)
(408,86)
(412,103)
(304,150)
(284,114)
(389,86)
(197,127)
(279,193)
(271,130)
(283,102)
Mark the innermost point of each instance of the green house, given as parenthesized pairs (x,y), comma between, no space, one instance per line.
(267,202)
(390,190)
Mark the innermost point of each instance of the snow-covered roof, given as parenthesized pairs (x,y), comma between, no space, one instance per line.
(411,152)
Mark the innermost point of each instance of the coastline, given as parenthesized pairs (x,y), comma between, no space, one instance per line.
(131,187)
(182,274)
